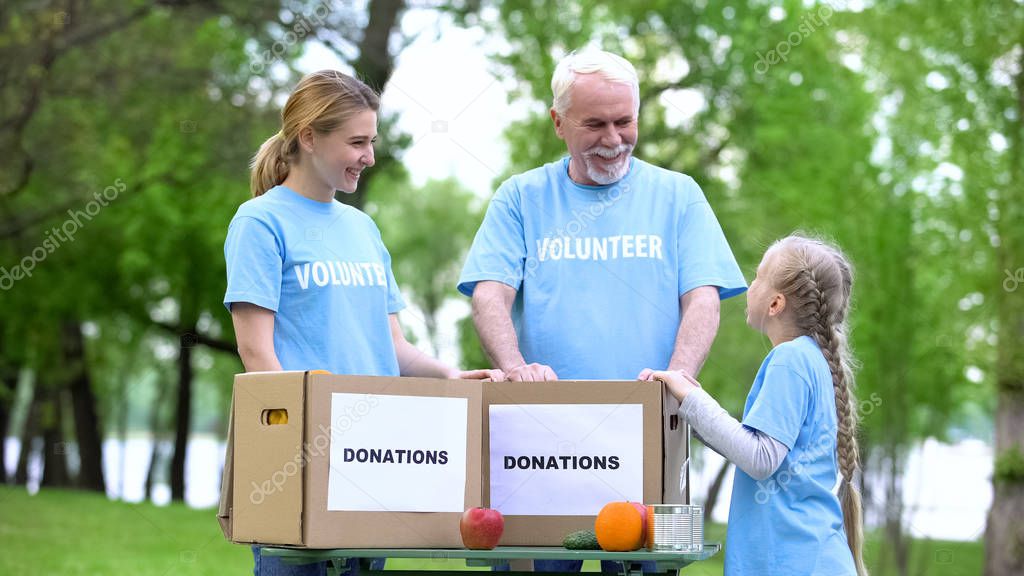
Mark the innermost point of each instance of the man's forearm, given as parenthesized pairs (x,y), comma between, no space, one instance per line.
(697,329)
(493,321)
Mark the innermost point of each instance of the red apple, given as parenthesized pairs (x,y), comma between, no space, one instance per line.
(643,520)
(481,528)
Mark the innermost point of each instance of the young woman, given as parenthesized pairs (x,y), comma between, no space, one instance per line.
(798,428)
(309,279)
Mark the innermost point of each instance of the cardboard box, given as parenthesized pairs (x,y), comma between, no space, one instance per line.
(353,465)
(566,448)
(324,478)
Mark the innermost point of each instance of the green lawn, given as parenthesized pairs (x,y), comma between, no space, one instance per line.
(75,533)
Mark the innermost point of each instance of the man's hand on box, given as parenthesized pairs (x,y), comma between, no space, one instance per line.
(486,375)
(532,373)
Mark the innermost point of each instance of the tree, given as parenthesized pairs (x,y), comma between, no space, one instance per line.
(428,230)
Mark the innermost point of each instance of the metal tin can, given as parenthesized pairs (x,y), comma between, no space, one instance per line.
(675,528)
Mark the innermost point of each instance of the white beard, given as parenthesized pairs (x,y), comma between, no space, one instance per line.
(613,173)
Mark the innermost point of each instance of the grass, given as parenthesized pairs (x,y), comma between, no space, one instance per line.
(76,533)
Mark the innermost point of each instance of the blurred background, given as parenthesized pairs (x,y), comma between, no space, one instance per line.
(126,128)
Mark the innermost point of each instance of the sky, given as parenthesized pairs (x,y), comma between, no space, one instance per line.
(448,101)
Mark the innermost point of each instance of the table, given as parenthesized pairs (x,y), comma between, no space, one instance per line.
(667,562)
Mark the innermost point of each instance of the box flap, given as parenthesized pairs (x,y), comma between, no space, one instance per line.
(227,477)
(267,453)
(676,448)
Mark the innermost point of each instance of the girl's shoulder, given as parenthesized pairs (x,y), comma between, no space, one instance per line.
(802,355)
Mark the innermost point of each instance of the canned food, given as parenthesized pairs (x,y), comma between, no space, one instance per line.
(675,528)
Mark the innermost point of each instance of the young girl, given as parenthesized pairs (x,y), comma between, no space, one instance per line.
(309,280)
(799,422)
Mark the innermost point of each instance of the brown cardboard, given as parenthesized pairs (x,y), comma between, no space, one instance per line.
(665,447)
(274,485)
(275,477)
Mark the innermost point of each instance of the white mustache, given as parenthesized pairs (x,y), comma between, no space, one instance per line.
(605,152)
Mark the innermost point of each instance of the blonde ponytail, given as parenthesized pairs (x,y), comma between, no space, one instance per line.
(817,280)
(322,101)
(270,165)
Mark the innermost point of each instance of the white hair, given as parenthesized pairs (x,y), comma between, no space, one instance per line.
(612,67)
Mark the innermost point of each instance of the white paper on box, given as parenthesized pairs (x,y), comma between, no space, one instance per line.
(397,453)
(565,459)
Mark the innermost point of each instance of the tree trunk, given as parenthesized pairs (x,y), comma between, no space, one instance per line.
(8,385)
(28,436)
(55,448)
(374,66)
(83,401)
(1004,534)
(183,416)
(714,489)
(896,540)
(156,427)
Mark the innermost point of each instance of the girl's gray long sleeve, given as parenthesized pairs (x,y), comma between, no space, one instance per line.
(753,451)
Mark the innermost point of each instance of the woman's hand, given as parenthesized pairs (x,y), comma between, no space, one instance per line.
(485,375)
(679,383)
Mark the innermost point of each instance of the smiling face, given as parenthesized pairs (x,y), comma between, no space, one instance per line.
(599,129)
(340,156)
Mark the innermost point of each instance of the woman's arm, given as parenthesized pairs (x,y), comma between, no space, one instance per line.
(413,362)
(254,332)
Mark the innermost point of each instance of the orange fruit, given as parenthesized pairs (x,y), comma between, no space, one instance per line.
(619,527)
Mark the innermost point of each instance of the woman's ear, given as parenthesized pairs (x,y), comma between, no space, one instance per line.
(306,139)
(777,305)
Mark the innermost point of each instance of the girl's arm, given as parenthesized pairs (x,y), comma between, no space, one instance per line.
(751,450)
(413,362)
(254,331)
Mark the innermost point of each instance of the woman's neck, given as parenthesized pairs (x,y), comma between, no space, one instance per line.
(308,185)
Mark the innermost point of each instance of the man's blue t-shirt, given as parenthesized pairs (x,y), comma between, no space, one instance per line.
(599,269)
(323,269)
(792,522)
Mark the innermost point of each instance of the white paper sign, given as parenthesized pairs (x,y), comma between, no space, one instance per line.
(565,459)
(397,453)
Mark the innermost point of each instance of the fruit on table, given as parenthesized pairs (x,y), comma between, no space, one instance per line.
(277,416)
(481,528)
(619,527)
(643,521)
(581,540)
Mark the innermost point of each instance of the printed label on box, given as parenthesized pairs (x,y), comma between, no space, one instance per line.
(564,459)
(397,453)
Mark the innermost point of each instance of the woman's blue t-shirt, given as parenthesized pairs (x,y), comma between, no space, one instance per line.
(323,269)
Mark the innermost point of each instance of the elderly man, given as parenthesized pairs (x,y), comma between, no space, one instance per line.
(598,265)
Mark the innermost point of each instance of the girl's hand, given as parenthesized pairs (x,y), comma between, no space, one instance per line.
(484,375)
(678,382)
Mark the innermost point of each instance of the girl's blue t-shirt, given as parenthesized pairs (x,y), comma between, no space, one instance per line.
(792,522)
(323,269)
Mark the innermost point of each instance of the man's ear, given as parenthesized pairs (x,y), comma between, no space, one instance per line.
(558,123)
(777,305)
(306,139)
